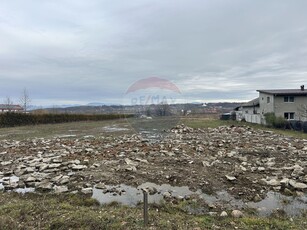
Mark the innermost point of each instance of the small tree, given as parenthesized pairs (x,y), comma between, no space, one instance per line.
(25,99)
(273,121)
(8,103)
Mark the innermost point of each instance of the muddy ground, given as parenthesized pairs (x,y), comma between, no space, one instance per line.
(245,162)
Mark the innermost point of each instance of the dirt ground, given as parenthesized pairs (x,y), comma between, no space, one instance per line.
(246,162)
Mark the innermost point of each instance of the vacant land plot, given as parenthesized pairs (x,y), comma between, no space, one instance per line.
(194,174)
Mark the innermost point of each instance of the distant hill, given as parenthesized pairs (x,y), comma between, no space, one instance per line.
(101,108)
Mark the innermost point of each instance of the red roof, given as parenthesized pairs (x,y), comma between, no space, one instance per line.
(10,107)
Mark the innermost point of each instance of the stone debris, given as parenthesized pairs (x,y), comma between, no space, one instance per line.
(255,161)
(237,214)
(224,214)
(87,190)
(297,185)
(230,178)
(60,189)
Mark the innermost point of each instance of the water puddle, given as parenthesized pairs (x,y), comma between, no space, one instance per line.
(66,136)
(292,206)
(131,196)
(114,128)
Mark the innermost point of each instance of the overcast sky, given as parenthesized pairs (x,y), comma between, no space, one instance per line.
(75,52)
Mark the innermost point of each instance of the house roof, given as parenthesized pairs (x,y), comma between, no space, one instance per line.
(284,91)
(11,107)
(252,103)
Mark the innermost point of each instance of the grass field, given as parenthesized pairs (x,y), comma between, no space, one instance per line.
(51,130)
(97,128)
(33,211)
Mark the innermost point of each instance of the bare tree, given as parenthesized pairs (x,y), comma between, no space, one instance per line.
(8,103)
(25,99)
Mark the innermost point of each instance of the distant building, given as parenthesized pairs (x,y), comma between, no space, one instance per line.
(10,108)
(290,104)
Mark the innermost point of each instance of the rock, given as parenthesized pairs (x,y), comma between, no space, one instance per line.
(297,185)
(54,165)
(78,167)
(30,179)
(57,160)
(152,190)
(261,169)
(131,169)
(56,179)
(42,166)
(237,214)
(30,170)
(5,163)
(47,160)
(167,195)
(8,173)
(142,160)
(300,194)
(273,182)
(64,180)
(89,150)
(131,162)
(87,190)
(230,178)
(206,163)
(10,186)
(44,185)
(74,162)
(224,214)
(100,186)
(257,198)
(285,182)
(60,189)
(212,213)
(288,192)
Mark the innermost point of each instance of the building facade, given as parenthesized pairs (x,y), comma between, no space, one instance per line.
(10,108)
(291,104)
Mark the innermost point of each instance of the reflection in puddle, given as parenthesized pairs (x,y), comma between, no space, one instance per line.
(66,136)
(292,206)
(131,196)
(114,128)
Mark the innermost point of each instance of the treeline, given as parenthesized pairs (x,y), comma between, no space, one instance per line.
(19,119)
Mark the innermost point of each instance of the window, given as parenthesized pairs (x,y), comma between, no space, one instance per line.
(288,99)
(268,99)
(289,116)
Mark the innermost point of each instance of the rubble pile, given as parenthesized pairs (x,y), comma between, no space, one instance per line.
(244,161)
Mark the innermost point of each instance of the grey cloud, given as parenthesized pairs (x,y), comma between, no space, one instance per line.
(93,50)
